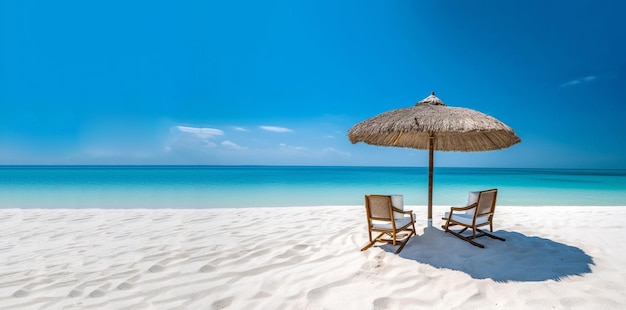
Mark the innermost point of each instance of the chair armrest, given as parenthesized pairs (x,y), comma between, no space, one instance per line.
(472,206)
(402,211)
(409,212)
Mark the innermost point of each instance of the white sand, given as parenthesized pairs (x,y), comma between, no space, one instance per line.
(307,258)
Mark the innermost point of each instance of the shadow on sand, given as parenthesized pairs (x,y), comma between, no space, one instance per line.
(519,258)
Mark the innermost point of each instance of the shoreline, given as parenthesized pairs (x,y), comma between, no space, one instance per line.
(415,208)
(308,258)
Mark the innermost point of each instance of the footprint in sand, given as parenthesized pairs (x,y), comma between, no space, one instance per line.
(222,303)
(100,291)
(207,268)
(163,263)
(378,261)
(20,293)
(300,247)
(315,294)
(382,303)
(156,268)
(129,283)
(75,293)
(262,294)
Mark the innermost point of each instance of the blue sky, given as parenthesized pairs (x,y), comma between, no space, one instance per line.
(281,82)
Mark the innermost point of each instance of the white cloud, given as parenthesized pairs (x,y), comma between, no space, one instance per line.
(240,129)
(293,148)
(233,146)
(275,129)
(579,81)
(202,133)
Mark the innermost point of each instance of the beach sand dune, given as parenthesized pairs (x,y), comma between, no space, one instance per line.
(306,258)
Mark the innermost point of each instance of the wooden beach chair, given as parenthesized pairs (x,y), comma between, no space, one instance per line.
(478,213)
(390,222)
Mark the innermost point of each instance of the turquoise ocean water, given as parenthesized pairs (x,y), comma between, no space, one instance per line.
(279,186)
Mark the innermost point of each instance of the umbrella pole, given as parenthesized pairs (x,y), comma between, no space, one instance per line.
(431,151)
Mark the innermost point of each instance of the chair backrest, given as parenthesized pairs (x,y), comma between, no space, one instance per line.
(397,201)
(486,202)
(378,207)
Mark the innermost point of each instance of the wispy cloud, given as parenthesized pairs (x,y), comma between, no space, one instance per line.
(202,133)
(240,129)
(585,79)
(292,148)
(275,129)
(233,146)
(195,137)
(202,137)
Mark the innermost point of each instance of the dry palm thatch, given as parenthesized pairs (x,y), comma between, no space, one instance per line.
(454,129)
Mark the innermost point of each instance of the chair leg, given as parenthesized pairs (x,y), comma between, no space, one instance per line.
(372,242)
(402,245)
(447,224)
(367,246)
(406,240)
(474,234)
(484,233)
(468,239)
(393,239)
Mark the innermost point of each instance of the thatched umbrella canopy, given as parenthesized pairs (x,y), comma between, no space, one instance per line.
(431,125)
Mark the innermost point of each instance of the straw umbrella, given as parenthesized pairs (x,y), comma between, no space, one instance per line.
(431,125)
